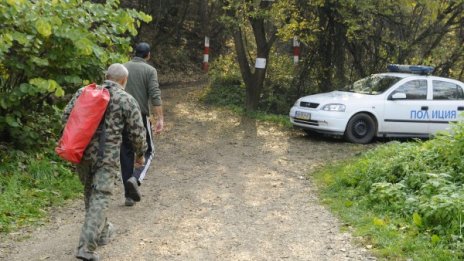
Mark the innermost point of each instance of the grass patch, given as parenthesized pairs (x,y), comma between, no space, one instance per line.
(405,199)
(232,97)
(281,120)
(29,184)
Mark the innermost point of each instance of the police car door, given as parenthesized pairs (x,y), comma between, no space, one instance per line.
(406,109)
(447,103)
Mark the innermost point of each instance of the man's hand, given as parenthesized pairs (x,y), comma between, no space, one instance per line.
(139,161)
(158,127)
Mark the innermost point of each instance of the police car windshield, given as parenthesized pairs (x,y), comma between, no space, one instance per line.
(374,84)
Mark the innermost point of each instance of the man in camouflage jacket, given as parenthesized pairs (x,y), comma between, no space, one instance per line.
(100,165)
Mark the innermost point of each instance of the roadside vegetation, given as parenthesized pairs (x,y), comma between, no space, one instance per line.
(48,49)
(31,183)
(406,199)
(226,89)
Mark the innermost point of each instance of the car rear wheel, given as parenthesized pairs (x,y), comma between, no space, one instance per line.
(361,128)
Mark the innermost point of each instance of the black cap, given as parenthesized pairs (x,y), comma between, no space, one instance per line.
(142,49)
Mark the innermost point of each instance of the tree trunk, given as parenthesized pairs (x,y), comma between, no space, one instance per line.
(242,59)
(326,47)
(254,80)
(204,17)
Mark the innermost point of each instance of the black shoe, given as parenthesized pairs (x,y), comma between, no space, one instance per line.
(133,189)
(129,202)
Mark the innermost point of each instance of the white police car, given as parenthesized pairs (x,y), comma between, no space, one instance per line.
(405,102)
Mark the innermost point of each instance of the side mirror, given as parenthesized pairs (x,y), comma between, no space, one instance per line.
(398,96)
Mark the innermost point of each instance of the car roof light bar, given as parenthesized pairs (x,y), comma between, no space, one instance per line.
(416,69)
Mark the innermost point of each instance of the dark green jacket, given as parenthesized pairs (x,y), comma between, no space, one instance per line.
(143,84)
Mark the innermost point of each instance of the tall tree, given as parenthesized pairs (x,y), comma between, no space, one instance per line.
(243,16)
(346,39)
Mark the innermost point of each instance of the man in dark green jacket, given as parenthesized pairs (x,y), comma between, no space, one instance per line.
(144,87)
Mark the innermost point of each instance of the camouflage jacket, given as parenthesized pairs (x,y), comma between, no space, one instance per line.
(123,114)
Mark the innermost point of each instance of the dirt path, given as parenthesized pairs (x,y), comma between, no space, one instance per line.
(220,188)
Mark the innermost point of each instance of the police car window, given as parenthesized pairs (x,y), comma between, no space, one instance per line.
(447,91)
(414,90)
(374,84)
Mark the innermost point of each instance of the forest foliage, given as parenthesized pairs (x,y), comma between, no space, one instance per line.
(49,48)
(345,40)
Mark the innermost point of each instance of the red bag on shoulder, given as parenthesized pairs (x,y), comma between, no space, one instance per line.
(82,123)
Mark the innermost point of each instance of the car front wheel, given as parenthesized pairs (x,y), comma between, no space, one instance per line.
(361,129)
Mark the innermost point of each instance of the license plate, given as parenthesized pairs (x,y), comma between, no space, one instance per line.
(302,115)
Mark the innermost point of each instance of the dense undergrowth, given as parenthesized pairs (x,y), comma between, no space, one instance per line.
(232,98)
(226,89)
(29,184)
(406,199)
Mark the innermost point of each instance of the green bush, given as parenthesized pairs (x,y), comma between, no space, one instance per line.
(48,48)
(415,189)
(279,92)
(227,95)
(224,71)
(226,87)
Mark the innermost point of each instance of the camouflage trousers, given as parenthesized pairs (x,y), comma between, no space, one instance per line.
(98,186)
